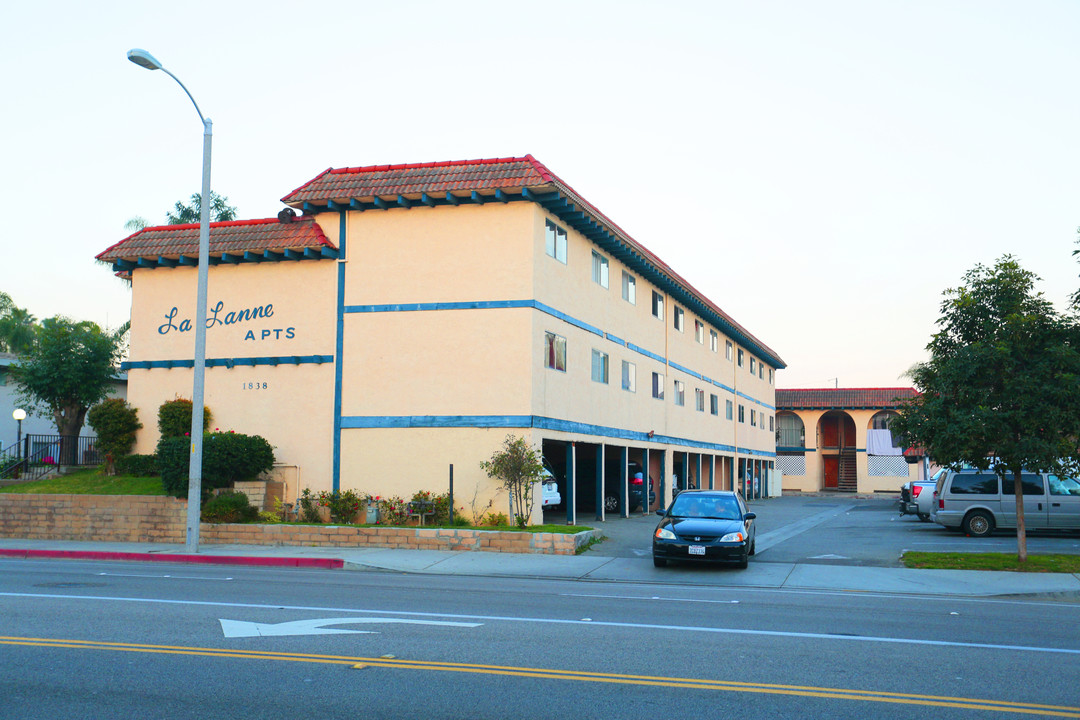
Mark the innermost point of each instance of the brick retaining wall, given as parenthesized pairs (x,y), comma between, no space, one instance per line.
(149,518)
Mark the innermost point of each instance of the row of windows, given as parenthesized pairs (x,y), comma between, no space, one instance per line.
(555,359)
(555,241)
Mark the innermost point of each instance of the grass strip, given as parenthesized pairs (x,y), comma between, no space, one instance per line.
(991,561)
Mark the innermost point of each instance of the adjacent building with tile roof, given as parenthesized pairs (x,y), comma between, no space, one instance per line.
(414,315)
(837,439)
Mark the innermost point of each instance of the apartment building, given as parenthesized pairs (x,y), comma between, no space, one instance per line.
(395,320)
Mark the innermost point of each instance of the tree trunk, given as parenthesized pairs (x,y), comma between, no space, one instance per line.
(1021,532)
(69,422)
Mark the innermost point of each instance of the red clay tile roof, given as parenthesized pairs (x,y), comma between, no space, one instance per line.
(463,176)
(225,237)
(843,398)
(343,184)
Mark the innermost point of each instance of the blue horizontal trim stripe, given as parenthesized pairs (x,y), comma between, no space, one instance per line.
(228,362)
(529,421)
(642,351)
(757,453)
(794,448)
(547,309)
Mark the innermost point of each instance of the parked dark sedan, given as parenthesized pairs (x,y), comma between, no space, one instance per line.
(704,526)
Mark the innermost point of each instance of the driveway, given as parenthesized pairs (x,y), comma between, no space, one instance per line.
(834,530)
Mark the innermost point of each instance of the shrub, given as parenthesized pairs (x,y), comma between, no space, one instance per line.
(393,511)
(227,457)
(174,417)
(344,506)
(229,507)
(309,507)
(496,519)
(519,467)
(115,423)
(138,465)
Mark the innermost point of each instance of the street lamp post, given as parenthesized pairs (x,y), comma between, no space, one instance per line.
(146,60)
(19,415)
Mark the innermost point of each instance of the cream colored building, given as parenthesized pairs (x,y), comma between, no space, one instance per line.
(414,315)
(838,440)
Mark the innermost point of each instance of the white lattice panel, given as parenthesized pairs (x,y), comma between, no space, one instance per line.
(791,464)
(887,466)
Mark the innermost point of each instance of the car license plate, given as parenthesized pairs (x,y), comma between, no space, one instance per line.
(697,549)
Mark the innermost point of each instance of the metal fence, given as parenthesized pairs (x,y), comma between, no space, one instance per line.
(39,455)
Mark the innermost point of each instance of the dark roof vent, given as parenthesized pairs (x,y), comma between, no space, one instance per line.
(286,216)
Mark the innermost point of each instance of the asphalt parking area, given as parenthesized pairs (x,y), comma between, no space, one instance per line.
(835,530)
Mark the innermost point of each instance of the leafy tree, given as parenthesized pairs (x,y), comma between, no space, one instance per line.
(68,369)
(1000,389)
(115,423)
(220,210)
(17,327)
(519,467)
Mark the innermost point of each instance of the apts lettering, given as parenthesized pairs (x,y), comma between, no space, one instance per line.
(216,316)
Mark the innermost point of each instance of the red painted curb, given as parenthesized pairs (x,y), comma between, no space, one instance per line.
(326,563)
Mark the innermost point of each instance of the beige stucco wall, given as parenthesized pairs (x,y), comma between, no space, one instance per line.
(814,479)
(290,405)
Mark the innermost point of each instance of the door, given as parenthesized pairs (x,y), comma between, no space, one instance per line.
(1036,507)
(832,472)
(1064,502)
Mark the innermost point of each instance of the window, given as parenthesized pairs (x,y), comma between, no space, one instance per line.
(680,393)
(599,269)
(555,351)
(770,376)
(678,315)
(599,366)
(699,332)
(790,432)
(753,365)
(761,370)
(753,417)
(728,409)
(629,288)
(657,305)
(1029,485)
(629,376)
(727,350)
(714,404)
(555,241)
(740,357)
(771,428)
(977,484)
(742,413)
(699,400)
(714,341)
(658,386)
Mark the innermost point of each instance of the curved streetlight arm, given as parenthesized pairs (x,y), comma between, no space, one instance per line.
(205,121)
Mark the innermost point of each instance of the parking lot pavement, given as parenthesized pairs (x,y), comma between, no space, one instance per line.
(833,530)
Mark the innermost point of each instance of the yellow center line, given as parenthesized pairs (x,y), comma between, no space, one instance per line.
(577,675)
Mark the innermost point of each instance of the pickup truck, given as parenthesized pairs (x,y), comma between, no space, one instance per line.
(917,498)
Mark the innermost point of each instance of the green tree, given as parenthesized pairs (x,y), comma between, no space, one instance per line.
(69,368)
(17,327)
(519,466)
(1000,388)
(220,210)
(174,417)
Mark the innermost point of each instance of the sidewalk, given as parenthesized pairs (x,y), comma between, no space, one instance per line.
(588,566)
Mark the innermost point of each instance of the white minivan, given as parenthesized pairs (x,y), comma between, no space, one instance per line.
(976,502)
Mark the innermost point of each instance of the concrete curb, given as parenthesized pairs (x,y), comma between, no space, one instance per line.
(324,563)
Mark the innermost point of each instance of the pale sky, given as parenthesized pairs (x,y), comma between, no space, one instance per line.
(822,170)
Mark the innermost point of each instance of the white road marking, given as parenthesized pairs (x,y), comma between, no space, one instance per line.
(557,621)
(242,628)
(169,577)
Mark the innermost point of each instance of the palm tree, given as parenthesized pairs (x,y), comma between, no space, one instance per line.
(18,327)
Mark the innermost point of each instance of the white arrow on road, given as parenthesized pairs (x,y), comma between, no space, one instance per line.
(242,628)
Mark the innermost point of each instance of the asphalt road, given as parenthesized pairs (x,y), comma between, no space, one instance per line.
(133,640)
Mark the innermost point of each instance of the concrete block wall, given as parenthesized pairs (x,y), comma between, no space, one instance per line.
(146,518)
